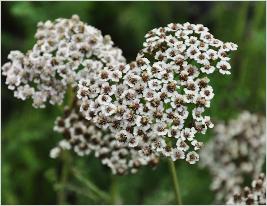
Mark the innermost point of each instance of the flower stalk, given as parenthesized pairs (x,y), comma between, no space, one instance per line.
(64,178)
(175,182)
(91,186)
(115,198)
(65,158)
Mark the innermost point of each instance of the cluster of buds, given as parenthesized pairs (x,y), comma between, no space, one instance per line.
(84,139)
(235,153)
(65,51)
(254,195)
(158,102)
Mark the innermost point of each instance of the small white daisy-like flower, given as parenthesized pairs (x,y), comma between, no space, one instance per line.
(154,84)
(207,93)
(199,28)
(107,89)
(181,144)
(203,58)
(116,75)
(197,145)
(188,134)
(207,68)
(104,99)
(192,157)
(108,110)
(196,113)
(167,151)
(224,67)
(223,55)
(192,52)
(177,154)
(160,129)
(212,54)
(181,48)
(83,92)
(191,87)
(203,47)
(192,41)
(174,132)
(229,46)
(133,142)
(208,122)
(171,53)
(149,94)
(123,136)
(158,145)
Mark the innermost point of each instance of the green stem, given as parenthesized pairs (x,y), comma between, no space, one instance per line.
(70,96)
(64,178)
(80,191)
(90,185)
(65,157)
(115,199)
(175,182)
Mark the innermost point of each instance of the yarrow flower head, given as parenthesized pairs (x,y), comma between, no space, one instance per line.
(236,152)
(159,100)
(254,195)
(65,51)
(82,137)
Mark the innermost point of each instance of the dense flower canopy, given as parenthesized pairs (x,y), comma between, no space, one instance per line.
(65,51)
(158,101)
(84,139)
(237,151)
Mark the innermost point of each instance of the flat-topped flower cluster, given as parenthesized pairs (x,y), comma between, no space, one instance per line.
(158,102)
(154,106)
(237,151)
(81,136)
(65,51)
(254,195)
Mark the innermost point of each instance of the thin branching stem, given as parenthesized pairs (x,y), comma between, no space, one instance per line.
(90,185)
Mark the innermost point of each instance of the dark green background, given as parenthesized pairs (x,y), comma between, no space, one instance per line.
(29,175)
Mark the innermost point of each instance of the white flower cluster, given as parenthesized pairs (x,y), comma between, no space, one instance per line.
(158,101)
(254,195)
(66,50)
(237,151)
(84,138)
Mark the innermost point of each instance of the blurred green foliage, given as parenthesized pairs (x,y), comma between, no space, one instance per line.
(29,175)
